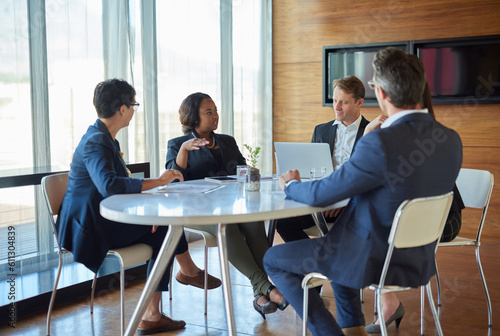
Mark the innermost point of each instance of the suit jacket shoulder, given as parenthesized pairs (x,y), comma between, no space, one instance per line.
(97,171)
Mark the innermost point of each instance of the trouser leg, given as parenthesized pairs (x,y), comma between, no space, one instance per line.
(292,229)
(241,256)
(286,265)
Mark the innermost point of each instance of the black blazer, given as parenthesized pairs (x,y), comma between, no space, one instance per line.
(202,163)
(326,132)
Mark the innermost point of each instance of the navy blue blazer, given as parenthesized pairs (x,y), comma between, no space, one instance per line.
(325,133)
(202,163)
(97,171)
(414,157)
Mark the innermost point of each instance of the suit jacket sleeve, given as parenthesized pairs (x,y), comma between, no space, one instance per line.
(351,179)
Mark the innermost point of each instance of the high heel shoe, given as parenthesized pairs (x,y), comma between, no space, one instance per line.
(266,308)
(282,305)
(397,317)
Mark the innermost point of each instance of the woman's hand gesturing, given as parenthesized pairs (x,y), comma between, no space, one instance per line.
(194,144)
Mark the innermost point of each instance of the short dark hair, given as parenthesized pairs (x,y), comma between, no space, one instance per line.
(190,109)
(110,95)
(427,101)
(350,84)
(400,75)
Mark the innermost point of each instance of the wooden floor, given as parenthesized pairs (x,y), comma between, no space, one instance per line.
(463,311)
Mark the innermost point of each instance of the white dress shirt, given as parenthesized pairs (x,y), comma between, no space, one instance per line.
(388,122)
(344,142)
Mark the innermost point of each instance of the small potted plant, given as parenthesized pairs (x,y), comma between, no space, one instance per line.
(252,178)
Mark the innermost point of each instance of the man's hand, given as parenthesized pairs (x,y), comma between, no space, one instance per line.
(332,213)
(289,175)
(375,123)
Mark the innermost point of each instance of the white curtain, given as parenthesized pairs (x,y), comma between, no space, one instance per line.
(252,44)
(55,52)
(188,37)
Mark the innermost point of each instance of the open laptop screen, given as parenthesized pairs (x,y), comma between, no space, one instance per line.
(302,156)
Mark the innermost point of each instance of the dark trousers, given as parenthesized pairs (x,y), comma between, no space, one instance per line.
(292,229)
(286,265)
(135,234)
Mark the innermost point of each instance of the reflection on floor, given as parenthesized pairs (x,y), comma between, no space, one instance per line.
(463,311)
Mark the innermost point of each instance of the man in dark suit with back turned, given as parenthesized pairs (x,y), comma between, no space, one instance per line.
(410,155)
(341,134)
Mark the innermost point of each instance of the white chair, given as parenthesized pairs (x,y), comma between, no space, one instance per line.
(54,189)
(417,222)
(475,187)
(209,240)
(311,280)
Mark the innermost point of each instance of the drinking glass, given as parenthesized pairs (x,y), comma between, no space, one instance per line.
(317,173)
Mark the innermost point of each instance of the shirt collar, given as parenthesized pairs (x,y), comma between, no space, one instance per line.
(389,121)
(357,122)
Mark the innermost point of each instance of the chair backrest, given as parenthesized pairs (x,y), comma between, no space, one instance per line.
(417,222)
(54,188)
(420,221)
(475,187)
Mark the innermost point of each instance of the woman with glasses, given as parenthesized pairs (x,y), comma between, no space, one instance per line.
(98,171)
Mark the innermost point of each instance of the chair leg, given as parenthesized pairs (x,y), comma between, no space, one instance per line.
(438,284)
(362,295)
(422,310)
(205,289)
(305,309)
(92,291)
(375,310)
(383,328)
(122,298)
(54,291)
(485,287)
(170,282)
(433,308)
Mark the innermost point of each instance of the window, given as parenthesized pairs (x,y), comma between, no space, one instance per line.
(85,42)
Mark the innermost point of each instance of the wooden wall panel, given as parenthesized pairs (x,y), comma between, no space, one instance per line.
(302,27)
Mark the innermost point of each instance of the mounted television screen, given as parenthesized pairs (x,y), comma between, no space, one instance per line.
(342,61)
(462,71)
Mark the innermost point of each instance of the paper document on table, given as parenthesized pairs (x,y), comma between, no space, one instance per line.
(186,188)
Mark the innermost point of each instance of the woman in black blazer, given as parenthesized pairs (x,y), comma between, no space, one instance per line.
(201,153)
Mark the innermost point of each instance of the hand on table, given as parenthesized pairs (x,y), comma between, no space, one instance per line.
(170,175)
(289,175)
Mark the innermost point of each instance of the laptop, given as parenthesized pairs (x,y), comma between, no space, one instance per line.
(302,156)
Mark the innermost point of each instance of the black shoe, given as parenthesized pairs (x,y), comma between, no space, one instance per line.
(266,308)
(282,305)
(396,317)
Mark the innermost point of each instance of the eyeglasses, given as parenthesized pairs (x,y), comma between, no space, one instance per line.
(136,106)
(372,84)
